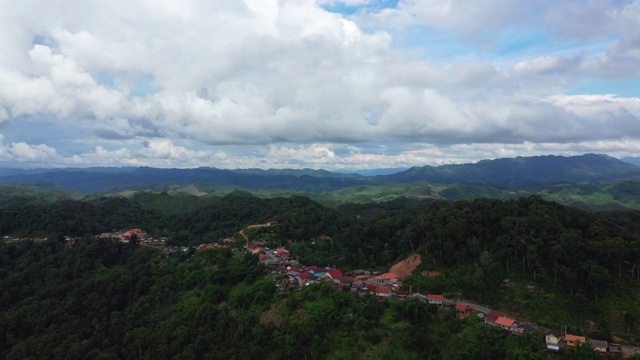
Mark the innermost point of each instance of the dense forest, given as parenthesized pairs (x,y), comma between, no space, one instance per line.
(105,300)
(102,299)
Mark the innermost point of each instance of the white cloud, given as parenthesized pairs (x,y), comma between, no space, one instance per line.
(165,149)
(21,152)
(296,82)
(102,157)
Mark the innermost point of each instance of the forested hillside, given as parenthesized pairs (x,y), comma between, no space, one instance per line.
(121,301)
(104,300)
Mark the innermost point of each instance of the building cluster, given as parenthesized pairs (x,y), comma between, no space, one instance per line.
(556,341)
(291,273)
(125,235)
(495,318)
(10,239)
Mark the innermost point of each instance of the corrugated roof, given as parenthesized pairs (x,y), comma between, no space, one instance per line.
(505,321)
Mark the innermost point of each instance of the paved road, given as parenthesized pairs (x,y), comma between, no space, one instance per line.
(630,349)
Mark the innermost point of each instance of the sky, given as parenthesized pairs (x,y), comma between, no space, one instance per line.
(332,84)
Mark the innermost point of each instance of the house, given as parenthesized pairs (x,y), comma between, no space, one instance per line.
(574,340)
(383,291)
(281,252)
(463,311)
(346,280)
(303,277)
(319,272)
(553,339)
(435,299)
(362,291)
(387,278)
(505,323)
(492,316)
(296,268)
(334,274)
(526,328)
(599,345)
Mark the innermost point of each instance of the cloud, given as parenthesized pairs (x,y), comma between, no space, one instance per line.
(22,152)
(169,83)
(103,157)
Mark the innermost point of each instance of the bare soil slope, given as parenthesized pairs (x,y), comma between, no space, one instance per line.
(405,267)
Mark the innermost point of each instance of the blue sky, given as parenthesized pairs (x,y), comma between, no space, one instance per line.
(333,84)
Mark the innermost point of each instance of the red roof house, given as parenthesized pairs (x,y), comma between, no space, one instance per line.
(435,299)
(297,268)
(574,340)
(388,275)
(282,252)
(335,274)
(463,310)
(383,291)
(493,315)
(505,322)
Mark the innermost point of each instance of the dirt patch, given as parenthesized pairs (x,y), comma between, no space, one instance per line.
(271,316)
(405,267)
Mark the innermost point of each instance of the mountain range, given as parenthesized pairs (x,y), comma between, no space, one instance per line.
(507,173)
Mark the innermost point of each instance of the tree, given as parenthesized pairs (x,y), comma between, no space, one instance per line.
(133,240)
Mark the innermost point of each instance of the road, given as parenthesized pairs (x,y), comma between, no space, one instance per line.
(627,349)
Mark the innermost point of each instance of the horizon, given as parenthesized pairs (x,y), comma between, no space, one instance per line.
(338,171)
(338,85)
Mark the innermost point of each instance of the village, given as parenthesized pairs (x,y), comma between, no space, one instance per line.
(289,275)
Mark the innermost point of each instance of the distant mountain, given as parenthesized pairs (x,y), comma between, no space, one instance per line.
(373,172)
(34,193)
(91,181)
(511,173)
(632,160)
(524,171)
(98,169)
(620,195)
(294,172)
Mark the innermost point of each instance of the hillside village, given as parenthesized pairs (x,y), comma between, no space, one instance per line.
(289,275)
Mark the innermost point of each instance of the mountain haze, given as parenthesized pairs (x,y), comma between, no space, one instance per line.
(525,171)
(507,172)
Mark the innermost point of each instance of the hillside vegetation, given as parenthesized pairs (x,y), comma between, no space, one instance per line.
(587,263)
